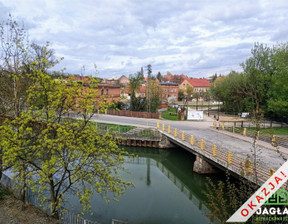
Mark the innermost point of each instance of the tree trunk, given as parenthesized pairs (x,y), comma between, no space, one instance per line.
(23,183)
(54,201)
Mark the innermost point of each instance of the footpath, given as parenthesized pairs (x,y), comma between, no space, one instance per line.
(259,143)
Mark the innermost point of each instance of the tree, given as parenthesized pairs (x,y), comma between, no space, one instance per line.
(258,71)
(155,95)
(53,153)
(213,78)
(278,93)
(181,94)
(171,100)
(231,90)
(13,57)
(134,86)
(189,91)
(159,77)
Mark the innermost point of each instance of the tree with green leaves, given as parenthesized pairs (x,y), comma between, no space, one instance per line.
(135,82)
(155,95)
(54,154)
(278,93)
(258,72)
(189,90)
(181,94)
(159,77)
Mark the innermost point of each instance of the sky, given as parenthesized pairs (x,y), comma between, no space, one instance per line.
(197,38)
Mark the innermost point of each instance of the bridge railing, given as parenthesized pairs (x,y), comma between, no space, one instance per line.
(275,140)
(256,172)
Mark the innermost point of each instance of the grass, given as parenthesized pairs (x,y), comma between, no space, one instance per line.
(268,131)
(170,114)
(147,133)
(271,131)
(116,127)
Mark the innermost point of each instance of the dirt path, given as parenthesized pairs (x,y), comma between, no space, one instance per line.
(12,212)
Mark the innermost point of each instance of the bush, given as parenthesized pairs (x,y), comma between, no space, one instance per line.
(3,192)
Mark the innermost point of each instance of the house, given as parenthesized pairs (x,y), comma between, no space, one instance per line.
(106,91)
(199,85)
(111,81)
(169,89)
(174,78)
(123,81)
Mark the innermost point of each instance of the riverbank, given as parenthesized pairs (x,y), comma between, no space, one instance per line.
(12,211)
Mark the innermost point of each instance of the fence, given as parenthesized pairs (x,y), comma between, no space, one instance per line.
(244,167)
(249,124)
(68,217)
(275,140)
(129,113)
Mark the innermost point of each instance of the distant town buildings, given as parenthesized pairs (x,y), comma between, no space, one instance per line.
(117,89)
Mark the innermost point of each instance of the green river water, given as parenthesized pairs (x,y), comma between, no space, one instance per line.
(166,191)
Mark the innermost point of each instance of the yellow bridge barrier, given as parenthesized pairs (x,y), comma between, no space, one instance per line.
(248,166)
(244,131)
(229,158)
(274,140)
(169,129)
(202,144)
(223,127)
(163,127)
(183,136)
(192,140)
(175,132)
(158,124)
(272,171)
(214,150)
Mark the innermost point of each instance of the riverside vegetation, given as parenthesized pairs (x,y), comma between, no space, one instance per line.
(49,154)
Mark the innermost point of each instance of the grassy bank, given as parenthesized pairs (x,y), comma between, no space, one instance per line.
(170,114)
(267,131)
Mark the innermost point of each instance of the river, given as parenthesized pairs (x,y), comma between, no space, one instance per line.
(166,191)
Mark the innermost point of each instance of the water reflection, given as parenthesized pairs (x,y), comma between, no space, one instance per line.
(166,191)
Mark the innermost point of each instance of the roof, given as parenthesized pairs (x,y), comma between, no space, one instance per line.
(146,79)
(84,79)
(198,82)
(168,83)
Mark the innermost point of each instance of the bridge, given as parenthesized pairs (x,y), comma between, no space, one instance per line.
(213,149)
(209,156)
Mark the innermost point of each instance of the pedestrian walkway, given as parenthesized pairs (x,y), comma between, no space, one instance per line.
(251,140)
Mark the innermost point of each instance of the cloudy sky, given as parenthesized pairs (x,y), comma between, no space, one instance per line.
(193,37)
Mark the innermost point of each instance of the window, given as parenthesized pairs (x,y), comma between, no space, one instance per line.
(102,91)
(106,91)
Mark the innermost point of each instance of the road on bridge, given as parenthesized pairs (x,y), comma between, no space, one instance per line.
(241,146)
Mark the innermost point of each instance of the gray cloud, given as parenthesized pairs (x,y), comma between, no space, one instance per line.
(197,38)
